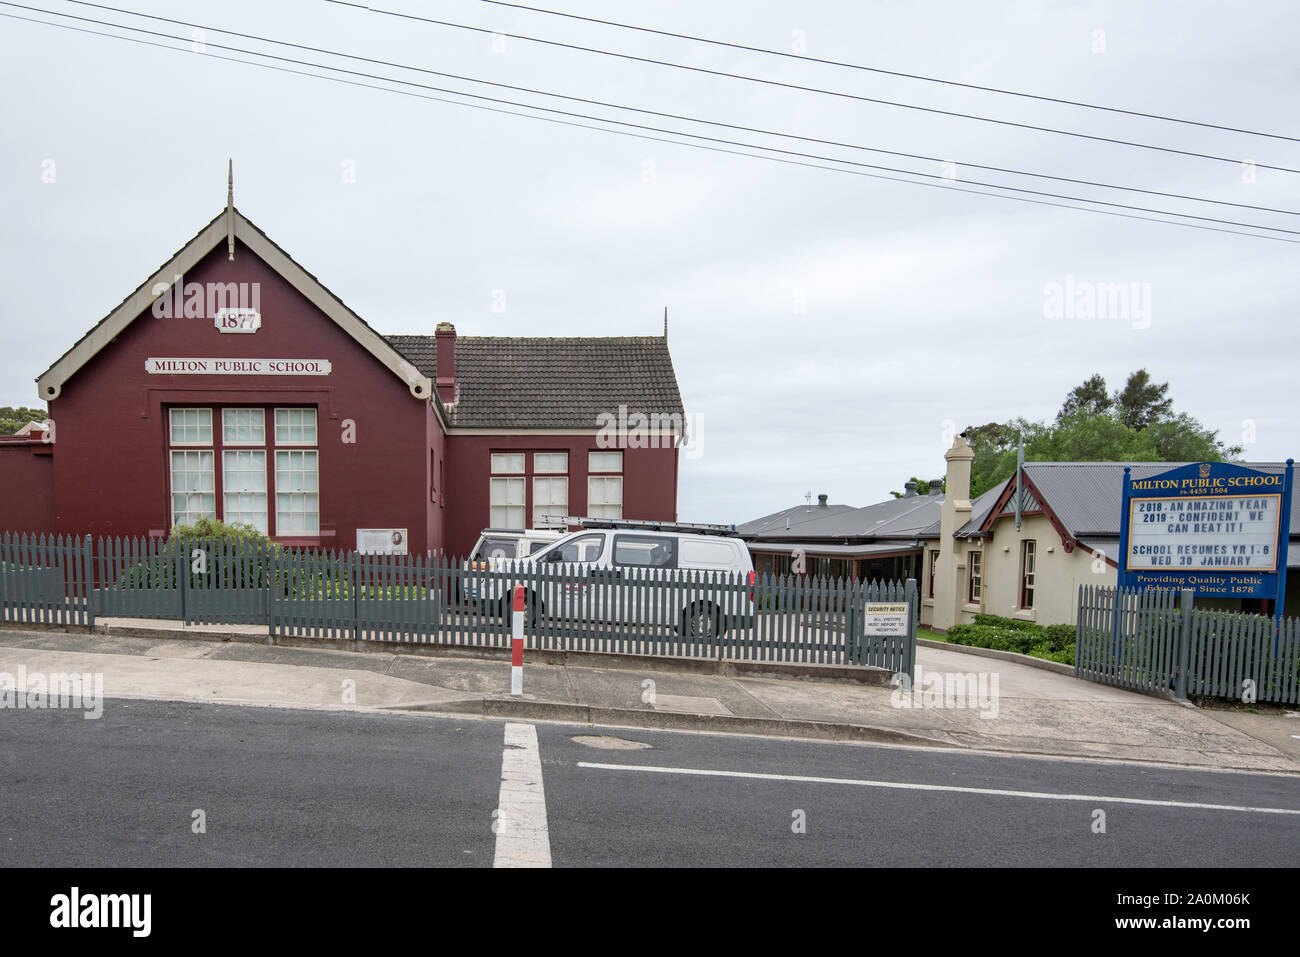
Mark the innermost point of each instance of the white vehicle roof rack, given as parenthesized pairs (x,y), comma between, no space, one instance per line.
(634,524)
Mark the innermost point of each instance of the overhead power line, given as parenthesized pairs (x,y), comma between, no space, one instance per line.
(806,89)
(639,126)
(186,50)
(898,73)
(692,119)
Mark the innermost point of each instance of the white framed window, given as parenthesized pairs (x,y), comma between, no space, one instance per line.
(295,426)
(191,426)
(1028,560)
(551,463)
(507,503)
(297,492)
(507,463)
(975,571)
(243,487)
(243,427)
(194,494)
(604,461)
(605,496)
(550,499)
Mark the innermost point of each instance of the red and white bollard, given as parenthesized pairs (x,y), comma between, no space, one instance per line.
(517,644)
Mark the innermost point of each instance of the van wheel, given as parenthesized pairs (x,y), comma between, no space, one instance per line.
(701,621)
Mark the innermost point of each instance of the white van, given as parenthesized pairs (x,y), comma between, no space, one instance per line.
(496,546)
(615,549)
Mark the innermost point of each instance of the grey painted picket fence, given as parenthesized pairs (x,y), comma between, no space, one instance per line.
(438,599)
(1157,640)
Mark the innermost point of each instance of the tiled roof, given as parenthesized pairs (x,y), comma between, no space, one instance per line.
(551,383)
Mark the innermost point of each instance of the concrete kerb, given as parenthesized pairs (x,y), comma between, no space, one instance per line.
(498,707)
(253,634)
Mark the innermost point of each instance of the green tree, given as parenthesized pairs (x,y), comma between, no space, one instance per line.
(13,418)
(1135,424)
(1089,396)
(1142,402)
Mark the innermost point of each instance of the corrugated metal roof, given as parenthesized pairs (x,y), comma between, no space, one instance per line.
(1086,496)
(895,517)
(849,551)
(798,516)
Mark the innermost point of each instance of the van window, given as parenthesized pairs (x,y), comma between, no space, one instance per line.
(707,553)
(581,549)
(535,547)
(645,552)
(496,548)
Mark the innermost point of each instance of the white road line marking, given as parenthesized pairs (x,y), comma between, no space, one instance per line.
(905,786)
(522,836)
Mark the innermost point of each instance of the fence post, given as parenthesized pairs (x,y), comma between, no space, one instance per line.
(1184,643)
(913,617)
(87,575)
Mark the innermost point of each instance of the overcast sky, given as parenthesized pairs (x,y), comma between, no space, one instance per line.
(827,329)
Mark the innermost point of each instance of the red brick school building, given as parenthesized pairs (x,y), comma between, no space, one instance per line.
(231,384)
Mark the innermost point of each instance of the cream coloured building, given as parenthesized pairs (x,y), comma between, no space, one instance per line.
(969,556)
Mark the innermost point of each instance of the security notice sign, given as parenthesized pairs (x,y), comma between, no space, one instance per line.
(884,618)
(1216,528)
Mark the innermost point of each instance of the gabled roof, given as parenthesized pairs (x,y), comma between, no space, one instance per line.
(50,382)
(553,383)
(1086,496)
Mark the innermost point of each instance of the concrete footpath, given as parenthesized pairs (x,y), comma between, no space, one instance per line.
(1028,710)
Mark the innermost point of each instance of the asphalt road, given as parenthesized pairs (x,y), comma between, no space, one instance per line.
(302,788)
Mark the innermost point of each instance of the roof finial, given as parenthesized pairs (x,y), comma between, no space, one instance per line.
(665,323)
(230,208)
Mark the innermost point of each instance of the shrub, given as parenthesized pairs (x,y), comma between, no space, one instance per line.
(1051,642)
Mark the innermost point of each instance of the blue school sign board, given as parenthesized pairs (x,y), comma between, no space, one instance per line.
(1216,528)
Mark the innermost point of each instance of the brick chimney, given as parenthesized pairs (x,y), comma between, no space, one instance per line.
(445,337)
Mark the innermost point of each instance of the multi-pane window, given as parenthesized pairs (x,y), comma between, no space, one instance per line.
(551,463)
(297,493)
(934,560)
(191,426)
(194,494)
(243,487)
(550,502)
(975,577)
(605,496)
(243,426)
(506,503)
(1027,559)
(508,463)
(605,462)
(295,426)
(246,484)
